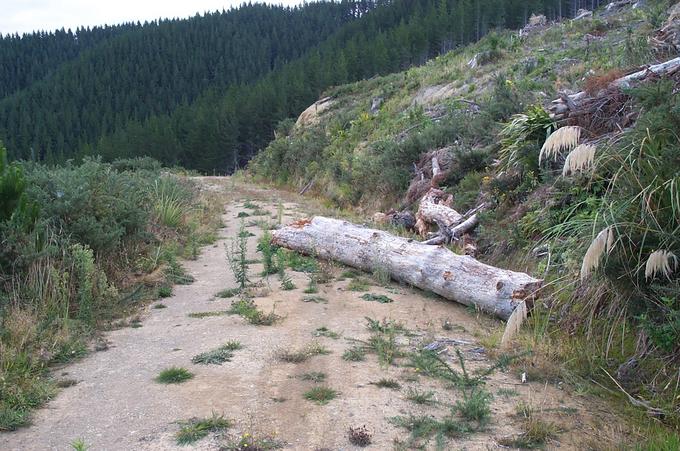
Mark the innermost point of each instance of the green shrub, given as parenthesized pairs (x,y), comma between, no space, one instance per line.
(522,138)
(12,187)
(165,291)
(91,203)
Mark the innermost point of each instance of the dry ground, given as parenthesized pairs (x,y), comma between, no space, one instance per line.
(117,405)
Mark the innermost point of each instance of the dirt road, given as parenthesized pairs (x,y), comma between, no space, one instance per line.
(117,405)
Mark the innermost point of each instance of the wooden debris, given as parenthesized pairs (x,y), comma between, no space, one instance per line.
(435,208)
(577,104)
(433,268)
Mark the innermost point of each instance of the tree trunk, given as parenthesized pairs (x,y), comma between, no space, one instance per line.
(435,208)
(458,278)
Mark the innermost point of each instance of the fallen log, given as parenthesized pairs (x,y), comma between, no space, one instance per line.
(433,268)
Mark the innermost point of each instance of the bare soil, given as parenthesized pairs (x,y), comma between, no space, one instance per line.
(117,405)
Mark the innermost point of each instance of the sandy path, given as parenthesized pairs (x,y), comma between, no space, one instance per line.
(117,406)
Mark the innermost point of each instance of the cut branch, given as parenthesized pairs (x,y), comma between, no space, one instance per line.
(435,208)
(458,278)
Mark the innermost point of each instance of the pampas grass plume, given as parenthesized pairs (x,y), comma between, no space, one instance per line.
(564,138)
(660,262)
(580,158)
(603,242)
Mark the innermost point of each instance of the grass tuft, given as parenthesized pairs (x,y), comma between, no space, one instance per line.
(354,354)
(475,406)
(206,314)
(321,395)
(359,284)
(228,293)
(387,383)
(315,299)
(325,332)
(174,375)
(248,310)
(301,355)
(196,429)
(422,398)
(218,356)
(381,298)
(314,376)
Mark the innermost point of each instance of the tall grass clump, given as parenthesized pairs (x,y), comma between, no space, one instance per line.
(618,225)
(170,201)
(640,212)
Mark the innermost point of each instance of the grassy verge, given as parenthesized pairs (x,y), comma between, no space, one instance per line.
(83,246)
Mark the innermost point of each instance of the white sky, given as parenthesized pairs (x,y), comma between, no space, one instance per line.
(31,15)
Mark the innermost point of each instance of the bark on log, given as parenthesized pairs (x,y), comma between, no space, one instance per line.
(435,208)
(458,278)
(562,107)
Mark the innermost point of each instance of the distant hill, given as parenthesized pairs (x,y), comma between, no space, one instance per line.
(208,92)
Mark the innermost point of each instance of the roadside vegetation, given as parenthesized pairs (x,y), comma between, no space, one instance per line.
(80,248)
(596,216)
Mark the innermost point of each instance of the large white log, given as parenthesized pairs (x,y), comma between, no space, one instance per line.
(459,278)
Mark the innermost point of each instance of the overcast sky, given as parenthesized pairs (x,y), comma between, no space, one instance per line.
(31,15)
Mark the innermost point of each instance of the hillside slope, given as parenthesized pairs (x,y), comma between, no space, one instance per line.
(191,92)
(368,146)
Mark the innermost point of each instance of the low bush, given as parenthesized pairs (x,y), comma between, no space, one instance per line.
(65,267)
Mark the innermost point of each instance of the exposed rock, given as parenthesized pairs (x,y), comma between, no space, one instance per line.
(613,6)
(376,103)
(311,115)
(403,219)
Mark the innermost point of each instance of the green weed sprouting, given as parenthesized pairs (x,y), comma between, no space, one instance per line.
(248,310)
(196,429)
(354,354)
(268,250)
(287,283)
(219,355)
(321,395)
(237,258)
(312,286)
